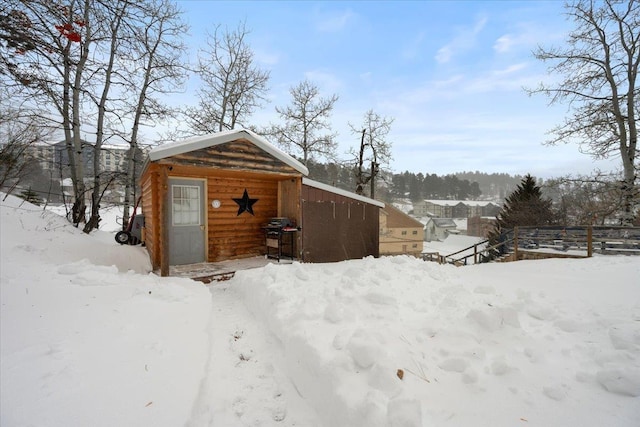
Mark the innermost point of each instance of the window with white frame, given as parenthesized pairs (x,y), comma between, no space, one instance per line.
(186,204)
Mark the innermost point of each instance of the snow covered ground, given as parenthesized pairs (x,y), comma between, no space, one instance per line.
(89,337)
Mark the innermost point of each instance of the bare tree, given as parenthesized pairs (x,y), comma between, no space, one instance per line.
(582,200)
(306,127)
(46,51)
(599,66)
(233,86)
(374,131)
(19,131)
(156,68)
(115,18)
(84,59)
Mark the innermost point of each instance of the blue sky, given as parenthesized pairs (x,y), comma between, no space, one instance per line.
(450,73)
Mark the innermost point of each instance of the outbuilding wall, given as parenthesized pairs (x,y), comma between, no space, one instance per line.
(336,227)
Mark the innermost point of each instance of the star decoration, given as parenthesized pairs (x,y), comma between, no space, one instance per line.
(245,203)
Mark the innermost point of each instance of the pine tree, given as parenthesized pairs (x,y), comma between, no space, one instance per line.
(30,196)
(524,207)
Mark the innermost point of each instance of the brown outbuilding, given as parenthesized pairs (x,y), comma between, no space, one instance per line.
(212,198)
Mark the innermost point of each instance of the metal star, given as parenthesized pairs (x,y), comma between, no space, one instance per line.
(245,203)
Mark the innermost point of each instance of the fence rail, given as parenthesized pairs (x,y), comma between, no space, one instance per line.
(532,242)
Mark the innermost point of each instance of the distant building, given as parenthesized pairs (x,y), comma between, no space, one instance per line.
(400,233)
(54,158)
(44,154)
(454,208)
(480,226)
(439,228)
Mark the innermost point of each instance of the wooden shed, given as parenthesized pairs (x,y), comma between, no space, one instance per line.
(209,198)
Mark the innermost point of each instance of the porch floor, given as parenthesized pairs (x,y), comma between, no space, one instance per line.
(208,272)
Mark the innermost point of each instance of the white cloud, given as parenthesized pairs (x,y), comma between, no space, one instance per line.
(524,36)
(334,22)
(463,41)
(510,69)
(504,43)
(444,54)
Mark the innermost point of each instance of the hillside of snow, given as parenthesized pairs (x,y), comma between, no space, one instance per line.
(88,336)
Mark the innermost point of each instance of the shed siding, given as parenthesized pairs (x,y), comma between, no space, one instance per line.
(336,227)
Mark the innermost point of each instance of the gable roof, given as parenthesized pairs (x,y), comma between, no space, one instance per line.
(398,219)
(444,222)
(457,202)
(213,139)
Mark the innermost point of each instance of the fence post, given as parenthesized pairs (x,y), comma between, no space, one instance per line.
(515,243)
(590,241)
(475,254)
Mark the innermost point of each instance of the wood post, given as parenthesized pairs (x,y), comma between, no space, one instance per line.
(165,203)
(515,243)
(589,241)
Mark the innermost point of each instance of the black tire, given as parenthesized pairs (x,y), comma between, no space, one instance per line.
(123,237)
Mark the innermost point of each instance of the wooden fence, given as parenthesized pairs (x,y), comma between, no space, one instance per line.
(548,242)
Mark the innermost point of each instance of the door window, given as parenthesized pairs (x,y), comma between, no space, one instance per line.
(186,204)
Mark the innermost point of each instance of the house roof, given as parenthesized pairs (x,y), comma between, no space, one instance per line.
(456,202)
(398,219)
(444,222)
(213,139)
(326,187)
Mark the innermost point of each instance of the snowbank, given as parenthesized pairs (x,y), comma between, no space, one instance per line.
(495,345)
(86,340)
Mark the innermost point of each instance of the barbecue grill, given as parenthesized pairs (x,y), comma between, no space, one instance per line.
(279,234)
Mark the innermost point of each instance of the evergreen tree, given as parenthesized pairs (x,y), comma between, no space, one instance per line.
(30,196)
(524,207)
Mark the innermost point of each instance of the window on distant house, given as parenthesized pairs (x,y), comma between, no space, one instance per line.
(415,232)
(404,232)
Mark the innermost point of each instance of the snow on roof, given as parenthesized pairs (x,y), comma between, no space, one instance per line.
(326,187)
(397,218)
(213,139)
(466,202)
(444,222)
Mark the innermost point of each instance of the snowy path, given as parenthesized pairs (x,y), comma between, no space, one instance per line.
(244,384)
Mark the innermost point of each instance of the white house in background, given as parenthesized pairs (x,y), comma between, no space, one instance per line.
(439,228)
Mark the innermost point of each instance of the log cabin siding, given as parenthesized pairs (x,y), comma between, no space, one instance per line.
(238,236)
(236,155)
(149,188)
